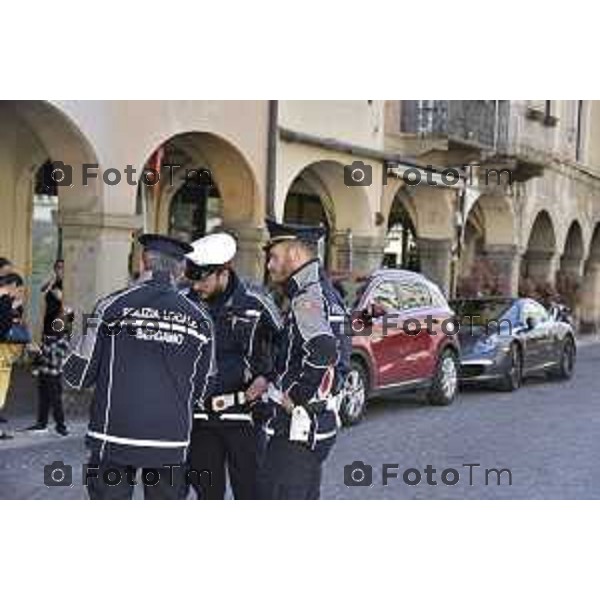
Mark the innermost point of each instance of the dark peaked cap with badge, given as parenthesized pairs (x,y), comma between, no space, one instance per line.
(281,232)
(165,245)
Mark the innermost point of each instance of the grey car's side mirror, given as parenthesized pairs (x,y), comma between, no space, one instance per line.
(530,323)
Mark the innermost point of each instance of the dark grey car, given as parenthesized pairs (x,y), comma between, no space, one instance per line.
(505,339)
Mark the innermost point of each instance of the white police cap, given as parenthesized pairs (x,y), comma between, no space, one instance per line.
(213,249)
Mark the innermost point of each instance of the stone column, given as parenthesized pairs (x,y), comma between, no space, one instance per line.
(340,251)
(367,253)
(435,257)
(96,249)
(250,258)
(590,298)
(505,258)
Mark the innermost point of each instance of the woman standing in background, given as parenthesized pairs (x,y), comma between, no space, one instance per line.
(13,334)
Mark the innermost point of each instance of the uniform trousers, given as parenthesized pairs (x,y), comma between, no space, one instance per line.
(220,449)
(113,482)
(291,471)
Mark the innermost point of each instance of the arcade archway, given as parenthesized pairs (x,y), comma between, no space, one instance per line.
(488,258)
(402,251)
(539,260)
(43,217)
(195,183)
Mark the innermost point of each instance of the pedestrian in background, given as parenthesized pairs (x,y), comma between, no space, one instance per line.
(53,296)
(14,336)
(49,368)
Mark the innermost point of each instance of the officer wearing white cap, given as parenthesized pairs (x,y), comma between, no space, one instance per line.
(149,351)
(246,324)
(304,427)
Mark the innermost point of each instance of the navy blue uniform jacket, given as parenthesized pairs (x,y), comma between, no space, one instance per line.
(246,325)
(149,352)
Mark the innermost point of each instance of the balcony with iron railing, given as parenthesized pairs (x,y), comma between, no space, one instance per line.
(473,131)
(478,124)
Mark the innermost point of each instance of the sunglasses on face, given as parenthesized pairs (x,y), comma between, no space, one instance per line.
(196,273)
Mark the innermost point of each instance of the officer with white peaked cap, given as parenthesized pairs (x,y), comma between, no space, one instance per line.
(246,322)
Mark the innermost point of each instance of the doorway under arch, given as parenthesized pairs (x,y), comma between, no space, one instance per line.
(401,250)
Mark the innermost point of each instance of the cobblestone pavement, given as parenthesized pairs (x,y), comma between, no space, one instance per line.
(546,434)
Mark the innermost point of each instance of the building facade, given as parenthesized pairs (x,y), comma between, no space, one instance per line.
(229,164)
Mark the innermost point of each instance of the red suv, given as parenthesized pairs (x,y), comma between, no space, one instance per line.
(402,340)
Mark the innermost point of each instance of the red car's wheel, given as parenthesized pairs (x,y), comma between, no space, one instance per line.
(444,386)
(354,401)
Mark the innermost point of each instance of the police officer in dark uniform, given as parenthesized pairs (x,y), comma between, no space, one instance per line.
(246,323)
(149,351)
(304,426)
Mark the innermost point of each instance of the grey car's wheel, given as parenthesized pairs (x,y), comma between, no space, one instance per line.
(566,366)
(513,378)
(444,386)
(354,399)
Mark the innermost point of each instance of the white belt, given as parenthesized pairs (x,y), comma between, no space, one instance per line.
(221,403)
(225,417)
(318,436)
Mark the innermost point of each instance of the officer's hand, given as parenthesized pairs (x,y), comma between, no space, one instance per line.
(256,389)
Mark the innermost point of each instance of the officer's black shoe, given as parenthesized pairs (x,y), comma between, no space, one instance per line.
(62,430)
(38,427)
(6,436)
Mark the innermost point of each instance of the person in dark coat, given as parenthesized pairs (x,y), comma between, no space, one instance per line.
(53,296)
(226,437)
(304,426)
(149,352)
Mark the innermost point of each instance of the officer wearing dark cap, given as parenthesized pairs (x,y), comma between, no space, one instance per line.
(246,322)
(304,426)
(149,351)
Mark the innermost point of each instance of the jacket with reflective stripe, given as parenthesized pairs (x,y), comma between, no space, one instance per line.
(246,325)
(148,350)
(308,355)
